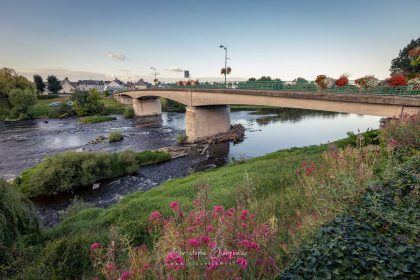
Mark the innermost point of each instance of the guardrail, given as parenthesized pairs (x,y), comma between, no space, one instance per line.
(382,88)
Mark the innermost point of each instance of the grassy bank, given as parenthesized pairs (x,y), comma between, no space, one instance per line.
(70,171)
(97,119)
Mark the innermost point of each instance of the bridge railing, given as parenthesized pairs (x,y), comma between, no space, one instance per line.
(382,88)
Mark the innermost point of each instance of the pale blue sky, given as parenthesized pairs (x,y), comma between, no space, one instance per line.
(284,39)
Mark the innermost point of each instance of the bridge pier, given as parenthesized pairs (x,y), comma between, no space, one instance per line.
(126,100)
(206,121)
(147,106)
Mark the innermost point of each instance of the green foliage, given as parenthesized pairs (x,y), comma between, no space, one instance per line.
(129,113)
(370,137)
(69,171)
(152,157)
(402,63)
(377,239)
(17,217)
(403,132)
(300,81)
(115,136)
(181,138)
(62,111)
(97,119)
(21,101)
(39,83)
(169,105)
(54,84)
(48,96)
(88,103)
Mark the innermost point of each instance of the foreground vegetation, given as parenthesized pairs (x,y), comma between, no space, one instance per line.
(70,171)
(331,209)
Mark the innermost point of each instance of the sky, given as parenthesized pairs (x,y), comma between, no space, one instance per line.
(104,39)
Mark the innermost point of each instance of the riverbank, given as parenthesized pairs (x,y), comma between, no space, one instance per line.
(274,187)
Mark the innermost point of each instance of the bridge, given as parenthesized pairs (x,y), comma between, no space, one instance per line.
(208,111)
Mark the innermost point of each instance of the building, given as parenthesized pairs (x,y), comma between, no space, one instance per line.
(67,86)
(140,84)
(86,85)
(115,85)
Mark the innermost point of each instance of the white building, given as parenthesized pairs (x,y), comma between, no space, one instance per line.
(67,86)
(86,85)
(114,86)
(140,84)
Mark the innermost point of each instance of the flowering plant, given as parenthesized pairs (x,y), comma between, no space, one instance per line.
(414,84)
(367,82)
(342,81)
(324,82)
(414,55)
(397,80)
(200,244)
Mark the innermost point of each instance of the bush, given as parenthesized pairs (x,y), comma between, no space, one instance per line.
(69,171)
(21,101)
(181,138)
(47,96)
(402,132)
(128,113)
(62,111)
(88,103)
(97,119)
(115,136)
(17,217)
(151,157)
(370,137)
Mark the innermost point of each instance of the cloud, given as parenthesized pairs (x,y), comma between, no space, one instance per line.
(174,69)
(117,56)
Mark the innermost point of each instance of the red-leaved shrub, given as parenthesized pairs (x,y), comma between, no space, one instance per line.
(397,80)
(342,81)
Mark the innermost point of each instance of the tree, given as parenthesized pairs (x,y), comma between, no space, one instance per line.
(264,78)
(39,83)
(9,80)
(87,103)
(252,79)
(21,100)
(54,85)
(300,81)
(402,63)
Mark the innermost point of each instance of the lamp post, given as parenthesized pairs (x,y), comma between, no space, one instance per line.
(154,69)
(226,58)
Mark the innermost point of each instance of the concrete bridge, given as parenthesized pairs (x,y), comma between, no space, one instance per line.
(208,111)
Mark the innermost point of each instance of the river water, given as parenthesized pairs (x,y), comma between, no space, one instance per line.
(25,143)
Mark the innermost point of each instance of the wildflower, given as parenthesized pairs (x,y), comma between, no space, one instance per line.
(244,214)
(212,245)
(125,275)
(174,261)
(155,216)
(218,209)
(174,205)
(244,226)
(210,228)
(95,246)
(205,239)
(214,263)
(392,143)
(194,242)
(110,266)
(242,262)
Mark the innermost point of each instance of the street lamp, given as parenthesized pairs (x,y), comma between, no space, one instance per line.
(226,58)
(154,69)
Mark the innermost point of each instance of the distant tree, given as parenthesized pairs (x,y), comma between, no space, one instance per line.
(264,78)
(402,63)
(252,79)
(54,84)
(39,83)
(300,81)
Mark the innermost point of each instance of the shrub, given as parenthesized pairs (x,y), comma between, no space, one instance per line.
(87,103)
(402,132)
(17,217)
(129,113)
(115,136)
(70,171)
(397,80)
(21,101)
(47,96)
(370,137)
(342,81)
(97,119)
(414,83)
(324,82)
(62,111)
(367,82)
(201,244)
(151,157)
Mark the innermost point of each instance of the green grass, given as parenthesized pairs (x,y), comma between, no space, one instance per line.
(115,136)
(97,119)
(113,106)
(41,109)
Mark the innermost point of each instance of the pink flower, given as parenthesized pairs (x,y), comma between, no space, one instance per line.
(214,263)
(171,278)
(95,246)
(392,143)
(244,226)
(244,214)
(218,209)
(194,242)
(155,216)
(205,239)
(210,228)
(174,205)
(174,261)
(242,262)
(125,275)
(212,244)
(110,266)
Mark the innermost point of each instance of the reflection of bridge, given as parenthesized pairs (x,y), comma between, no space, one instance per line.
(208,112)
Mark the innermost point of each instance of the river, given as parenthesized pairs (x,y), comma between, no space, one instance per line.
(25,143)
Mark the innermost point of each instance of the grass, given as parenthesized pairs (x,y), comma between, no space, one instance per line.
(41,108)
(113,106)
(115,136)
(97,119)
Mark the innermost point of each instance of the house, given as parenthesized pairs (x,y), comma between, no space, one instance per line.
(67,86)
(114,86)
(86,85)
(140,84)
